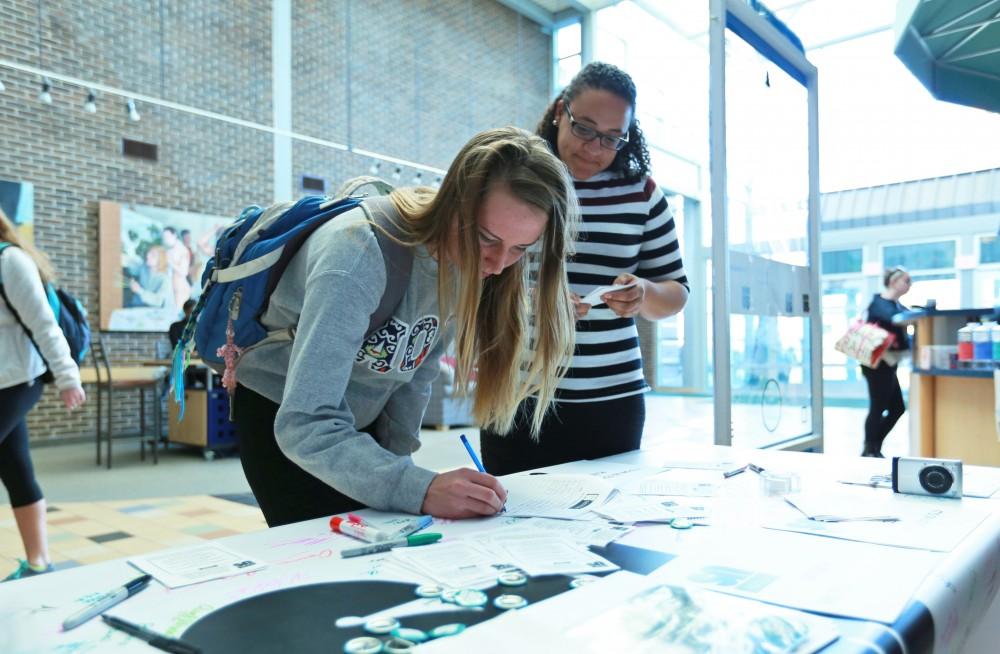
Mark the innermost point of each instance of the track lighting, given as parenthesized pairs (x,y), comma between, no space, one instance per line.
(418,179)
(90,106)
(133,113)
(375,168)
(396,174)
(44,96)
(437,182)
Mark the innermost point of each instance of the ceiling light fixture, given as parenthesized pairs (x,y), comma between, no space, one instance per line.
(133,113)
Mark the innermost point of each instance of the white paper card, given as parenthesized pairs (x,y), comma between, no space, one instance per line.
(594,297)
(571,497)
(546,554)
(191,565)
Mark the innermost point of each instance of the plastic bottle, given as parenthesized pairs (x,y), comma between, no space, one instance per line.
(982,342)
(965,342)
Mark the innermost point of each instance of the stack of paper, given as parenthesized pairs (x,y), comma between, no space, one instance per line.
(570,497)
(692,483)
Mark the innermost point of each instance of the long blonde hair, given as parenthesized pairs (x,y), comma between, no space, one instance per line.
(8,234)
(494,330)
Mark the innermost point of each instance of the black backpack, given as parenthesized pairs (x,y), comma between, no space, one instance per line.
(70,316)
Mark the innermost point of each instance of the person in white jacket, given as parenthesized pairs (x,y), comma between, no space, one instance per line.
(22,270)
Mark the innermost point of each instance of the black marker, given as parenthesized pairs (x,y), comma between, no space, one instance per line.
(156,640)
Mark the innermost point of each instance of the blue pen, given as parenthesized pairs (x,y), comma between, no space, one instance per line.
(475,459)
(472,453)
(413,526)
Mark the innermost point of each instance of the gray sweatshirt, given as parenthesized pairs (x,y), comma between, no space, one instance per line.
(328,382)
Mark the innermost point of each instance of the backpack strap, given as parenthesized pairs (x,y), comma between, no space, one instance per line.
(351,187)
(398,258)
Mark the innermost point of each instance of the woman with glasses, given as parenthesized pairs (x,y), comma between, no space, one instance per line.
(626,236)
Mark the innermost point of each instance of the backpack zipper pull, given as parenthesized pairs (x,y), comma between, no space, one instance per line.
(230,352)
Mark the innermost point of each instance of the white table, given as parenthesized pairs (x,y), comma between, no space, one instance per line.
(948,599)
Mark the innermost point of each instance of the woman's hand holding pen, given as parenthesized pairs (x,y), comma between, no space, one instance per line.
(464,493)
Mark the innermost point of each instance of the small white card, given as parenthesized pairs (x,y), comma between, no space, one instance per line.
(594,297)
(191,565)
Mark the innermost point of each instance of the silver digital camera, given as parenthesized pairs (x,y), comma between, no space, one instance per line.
(935,477)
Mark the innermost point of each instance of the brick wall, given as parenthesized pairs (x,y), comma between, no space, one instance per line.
(410,79)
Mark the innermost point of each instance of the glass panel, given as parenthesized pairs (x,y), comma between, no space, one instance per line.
(768,198)
(568,41)
(843,301)
(568,67)
(842,261)
(920,256)
(989,249)
(670,331)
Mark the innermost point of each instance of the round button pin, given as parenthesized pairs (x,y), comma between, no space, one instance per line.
(680,523)
(448,595)
(582,580)
(471,598)
(445,630)
(512,578)
(381,625)
(429,590)
(507,602)
(363,645)
(398,646)
(410,634)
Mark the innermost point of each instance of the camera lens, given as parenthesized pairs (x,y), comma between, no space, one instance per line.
(936,479)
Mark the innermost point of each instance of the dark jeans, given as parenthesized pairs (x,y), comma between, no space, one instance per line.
(16,470)
(886,405)
(285,492)
(571,432)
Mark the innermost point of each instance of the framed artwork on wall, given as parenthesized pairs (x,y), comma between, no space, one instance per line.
(17,199)
(152,260)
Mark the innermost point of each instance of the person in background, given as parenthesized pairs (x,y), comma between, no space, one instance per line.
(327,422)
(151,286)
(177,328)
(22,362)
(885,397)
(627,236)
(178,264)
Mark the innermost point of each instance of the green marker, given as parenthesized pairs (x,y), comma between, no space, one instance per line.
(386,545)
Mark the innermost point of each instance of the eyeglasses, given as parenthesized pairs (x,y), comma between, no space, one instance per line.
(588,134)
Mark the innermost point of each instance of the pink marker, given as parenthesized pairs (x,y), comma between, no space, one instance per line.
(357,530)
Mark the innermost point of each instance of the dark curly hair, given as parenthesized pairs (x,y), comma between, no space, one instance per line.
(632,161)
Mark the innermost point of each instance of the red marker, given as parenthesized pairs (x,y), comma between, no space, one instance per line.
(357,530)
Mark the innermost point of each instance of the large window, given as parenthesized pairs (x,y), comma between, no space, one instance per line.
(986,277)
(568,56)
(842,261)
(932,269)
(989,249)
(920,256)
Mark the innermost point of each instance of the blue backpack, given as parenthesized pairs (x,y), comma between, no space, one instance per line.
(250,257)
(70,316)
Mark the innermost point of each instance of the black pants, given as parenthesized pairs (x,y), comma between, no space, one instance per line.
(16,471)
(886,405)
(570,432)
(285,492)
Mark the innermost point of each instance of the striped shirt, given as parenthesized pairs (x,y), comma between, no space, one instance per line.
(626,227)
